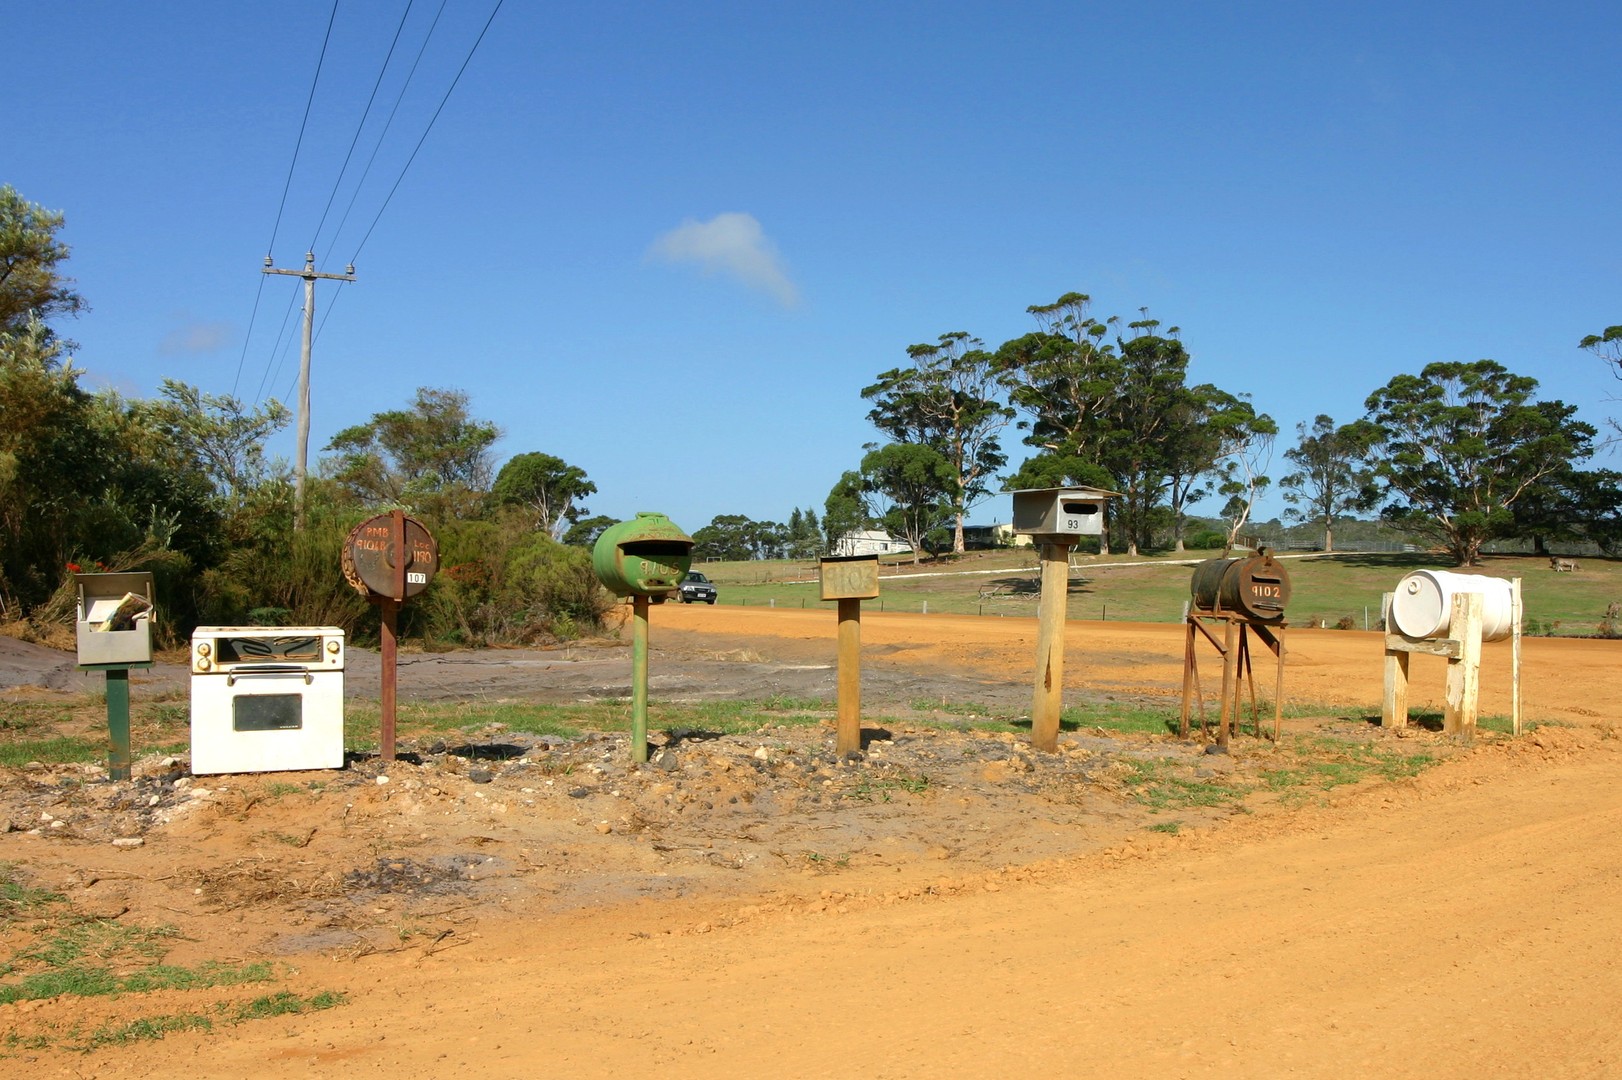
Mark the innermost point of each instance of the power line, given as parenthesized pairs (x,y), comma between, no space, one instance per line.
(246,338)
(302,125)
(393,112)
(431,121)
(366,112)
(274,365)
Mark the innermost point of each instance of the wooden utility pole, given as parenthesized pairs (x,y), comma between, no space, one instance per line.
(309,275)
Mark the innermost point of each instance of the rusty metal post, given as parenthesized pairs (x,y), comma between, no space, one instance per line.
(848,731)
(390,612)
(639,678)
(1230,681)
(1190,674)
(1048,699)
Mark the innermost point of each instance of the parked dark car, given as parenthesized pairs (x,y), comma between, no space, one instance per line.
(695,586)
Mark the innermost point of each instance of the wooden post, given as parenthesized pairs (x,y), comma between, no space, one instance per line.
(1515,656)
(639,678)
(1049,695)
(1464,672)
(848,732)
(1394,707)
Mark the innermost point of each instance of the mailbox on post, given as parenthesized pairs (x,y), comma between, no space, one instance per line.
(114,623)
(646,556)
(113,631)
(1056,518)
(850,577)
(1060,515)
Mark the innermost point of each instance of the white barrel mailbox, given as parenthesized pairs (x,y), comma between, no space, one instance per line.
(1422,606)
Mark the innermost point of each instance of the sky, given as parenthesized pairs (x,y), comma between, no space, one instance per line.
(671,243)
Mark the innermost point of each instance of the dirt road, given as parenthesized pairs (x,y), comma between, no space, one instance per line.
(1464,923)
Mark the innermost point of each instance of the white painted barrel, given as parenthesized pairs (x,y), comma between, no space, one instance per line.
(1422,606)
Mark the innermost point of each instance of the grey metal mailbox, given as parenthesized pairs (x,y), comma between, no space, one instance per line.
(114,622)
(1060,512)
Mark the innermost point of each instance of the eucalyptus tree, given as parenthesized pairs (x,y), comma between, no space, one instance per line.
(906,488)
(434,456)
(31,283)
(1459,445)
(1332,478)
(219,435)
(947,400)
(548,489)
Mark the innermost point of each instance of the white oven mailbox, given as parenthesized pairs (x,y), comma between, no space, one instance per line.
(266,698)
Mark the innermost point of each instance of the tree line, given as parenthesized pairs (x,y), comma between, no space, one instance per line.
(1459,454)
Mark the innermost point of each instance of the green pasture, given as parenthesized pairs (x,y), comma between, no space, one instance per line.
(1327,590)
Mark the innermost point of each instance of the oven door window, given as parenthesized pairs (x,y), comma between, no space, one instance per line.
(267,712)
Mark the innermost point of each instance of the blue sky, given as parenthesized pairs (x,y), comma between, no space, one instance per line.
(671,243)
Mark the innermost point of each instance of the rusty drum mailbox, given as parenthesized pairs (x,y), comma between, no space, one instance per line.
(1255,589)
(646,556)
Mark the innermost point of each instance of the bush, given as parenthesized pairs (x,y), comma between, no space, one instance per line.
(501,582)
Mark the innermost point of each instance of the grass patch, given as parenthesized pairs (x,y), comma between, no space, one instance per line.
(58,751)
(152,1028)
(146,1029)
(282,1003)
(1300,768)
(421,721)
(100,957)
(21,717)
(19,901)
(1167,785)
(880,789)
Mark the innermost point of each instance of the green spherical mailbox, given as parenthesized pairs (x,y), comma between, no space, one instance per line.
(646,556)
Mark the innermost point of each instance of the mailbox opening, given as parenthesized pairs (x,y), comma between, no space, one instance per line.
(657,549)
(1080,508)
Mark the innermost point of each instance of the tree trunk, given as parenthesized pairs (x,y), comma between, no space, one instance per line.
(957,535)
(1329,538)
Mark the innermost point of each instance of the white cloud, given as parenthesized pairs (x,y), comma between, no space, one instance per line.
(195,337)
(732,244)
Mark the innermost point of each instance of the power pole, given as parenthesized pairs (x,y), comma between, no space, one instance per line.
(309,275)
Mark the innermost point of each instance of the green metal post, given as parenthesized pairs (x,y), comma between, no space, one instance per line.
(118,723)
(639,678)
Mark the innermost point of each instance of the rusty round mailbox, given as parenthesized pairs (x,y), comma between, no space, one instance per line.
(646,556)
(376,563)
(389,559)
(1256,588)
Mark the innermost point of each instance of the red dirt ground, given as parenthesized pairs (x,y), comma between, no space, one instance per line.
(1461,924)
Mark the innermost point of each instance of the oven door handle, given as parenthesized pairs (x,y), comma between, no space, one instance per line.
(246,670)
